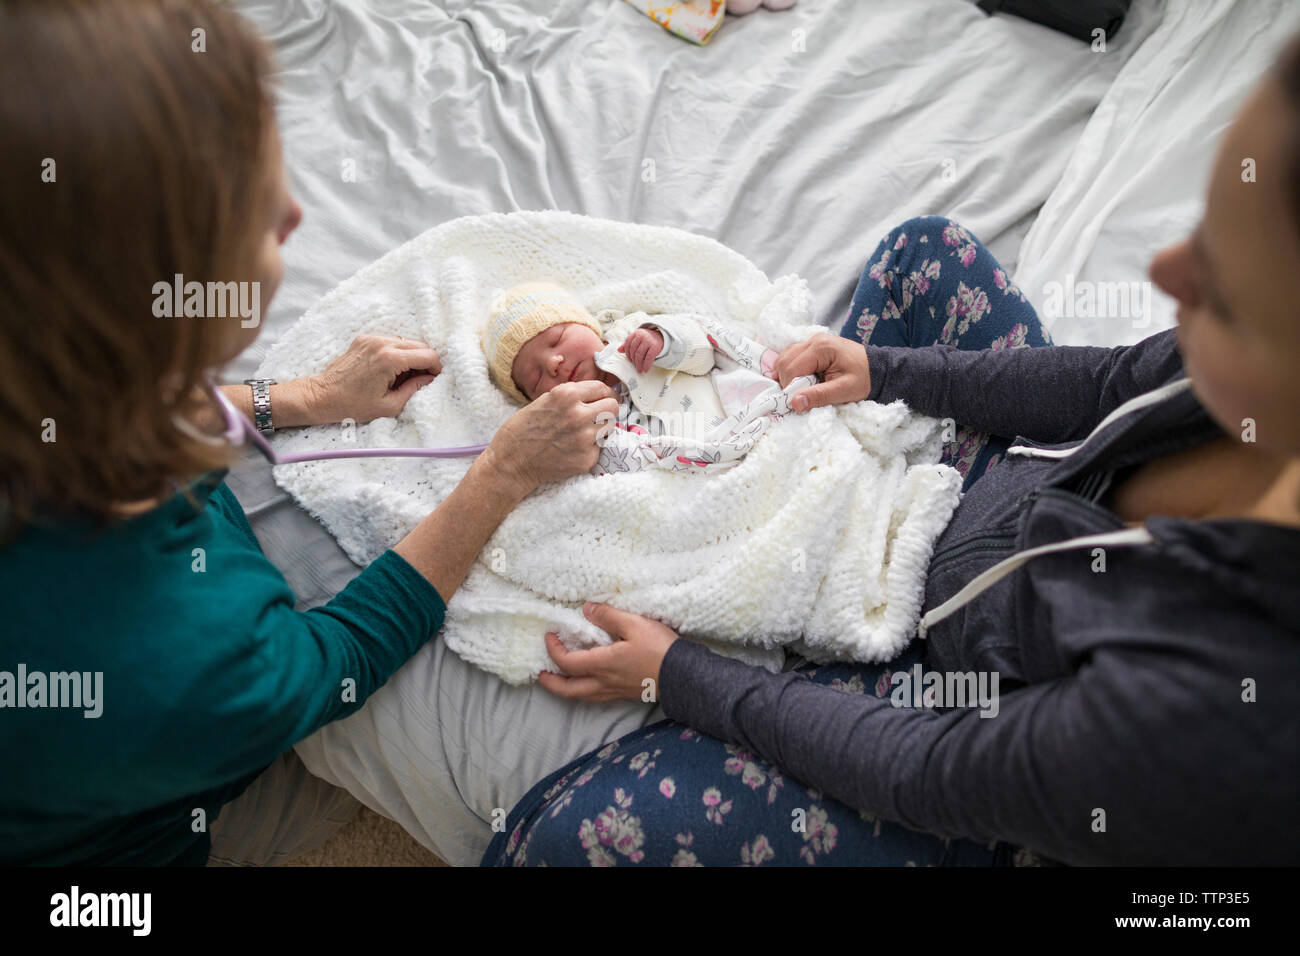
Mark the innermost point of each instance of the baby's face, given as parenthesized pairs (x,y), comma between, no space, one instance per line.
(562,353)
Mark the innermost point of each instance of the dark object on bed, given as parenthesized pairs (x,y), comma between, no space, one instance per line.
(1078,18)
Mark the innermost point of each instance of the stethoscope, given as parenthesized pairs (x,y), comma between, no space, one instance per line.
(239,428)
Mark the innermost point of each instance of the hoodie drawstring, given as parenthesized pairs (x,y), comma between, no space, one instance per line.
(1132,405)
(1128,536)
(986,579)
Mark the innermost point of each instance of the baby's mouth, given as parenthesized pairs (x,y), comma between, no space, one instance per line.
(574,374)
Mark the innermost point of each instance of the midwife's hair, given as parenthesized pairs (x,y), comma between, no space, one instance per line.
(136,147)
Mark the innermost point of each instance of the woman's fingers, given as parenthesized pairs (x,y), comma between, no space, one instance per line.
(423,358)
(834,392)
(786,362)
(597,407)
(373,378)
(569,662)
(400,343)
(399,396)
(605,410)
(611,620)
(410,343)
(815,358)
(626,669)
(573,688)
(584,675)
(587,662)
(577,677)
(557,435)
(588,390)
(840,363)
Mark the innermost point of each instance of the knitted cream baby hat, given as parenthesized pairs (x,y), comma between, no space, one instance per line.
(520,313)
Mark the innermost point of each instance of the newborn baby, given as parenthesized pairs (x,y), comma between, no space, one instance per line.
(678,375)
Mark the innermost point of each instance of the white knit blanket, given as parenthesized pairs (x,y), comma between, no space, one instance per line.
(819,539)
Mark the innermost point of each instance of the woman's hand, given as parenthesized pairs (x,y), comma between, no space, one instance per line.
(373,379)
(557,435)
(628,669)
(554,437)
(841,364)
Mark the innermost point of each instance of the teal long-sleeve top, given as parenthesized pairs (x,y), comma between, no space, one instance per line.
(208,674)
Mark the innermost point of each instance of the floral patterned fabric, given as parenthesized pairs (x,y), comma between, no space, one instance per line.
(667,795)
(930,282)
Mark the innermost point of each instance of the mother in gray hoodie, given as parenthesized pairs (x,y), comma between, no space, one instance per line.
(1128,572)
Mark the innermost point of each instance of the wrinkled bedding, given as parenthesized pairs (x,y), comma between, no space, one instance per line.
(1137,177)
(795,138)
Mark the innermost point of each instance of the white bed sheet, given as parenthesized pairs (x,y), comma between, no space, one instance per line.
(1138,177)
(800,158)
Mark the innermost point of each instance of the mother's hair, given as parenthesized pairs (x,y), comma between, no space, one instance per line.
(1287,72)
(136,142)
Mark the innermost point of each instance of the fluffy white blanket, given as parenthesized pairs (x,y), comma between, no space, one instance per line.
(819,539)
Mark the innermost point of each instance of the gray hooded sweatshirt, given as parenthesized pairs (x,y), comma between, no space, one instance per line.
(1148,713)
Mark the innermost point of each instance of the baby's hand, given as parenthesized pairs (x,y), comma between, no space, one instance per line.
(642,347)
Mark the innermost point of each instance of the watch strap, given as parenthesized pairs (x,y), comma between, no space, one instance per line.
(261,403)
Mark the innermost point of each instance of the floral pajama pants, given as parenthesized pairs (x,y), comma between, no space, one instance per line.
(667,795)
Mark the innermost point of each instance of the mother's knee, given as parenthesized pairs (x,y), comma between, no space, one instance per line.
(926,225)
(901,242)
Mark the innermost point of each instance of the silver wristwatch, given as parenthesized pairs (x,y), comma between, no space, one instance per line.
(262,403)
